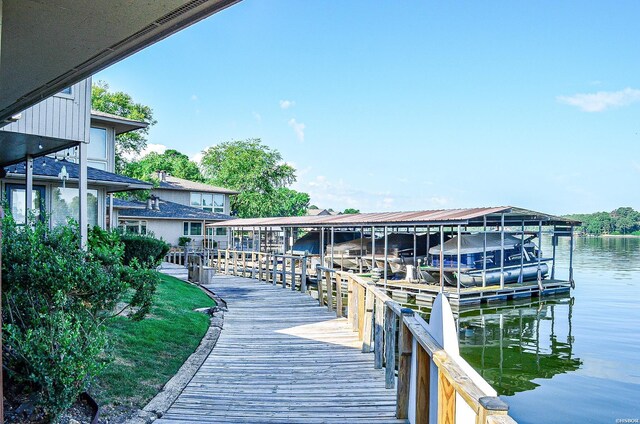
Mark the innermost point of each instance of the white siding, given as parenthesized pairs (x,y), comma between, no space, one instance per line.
(61,116)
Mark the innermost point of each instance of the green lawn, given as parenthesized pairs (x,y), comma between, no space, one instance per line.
(148,353)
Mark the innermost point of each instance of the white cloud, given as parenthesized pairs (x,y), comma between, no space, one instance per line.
(257,117)
(602,100)
(298,128)
(286,104)
(197,158)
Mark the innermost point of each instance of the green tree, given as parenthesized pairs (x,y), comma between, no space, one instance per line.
(350,211)
(171,161)
(259,174)
(121,104)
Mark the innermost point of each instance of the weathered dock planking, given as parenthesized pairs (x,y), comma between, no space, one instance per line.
(282,358)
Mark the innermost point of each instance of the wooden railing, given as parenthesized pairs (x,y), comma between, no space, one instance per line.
(176,256)
(388,330)
(275,268)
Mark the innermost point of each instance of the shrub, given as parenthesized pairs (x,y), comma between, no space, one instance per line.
(148,251)
(55,298)
(55,302)
(183,240)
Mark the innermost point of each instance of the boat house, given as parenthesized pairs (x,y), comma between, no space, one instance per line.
(473,255)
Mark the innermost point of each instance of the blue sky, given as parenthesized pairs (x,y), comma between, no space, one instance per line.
(412,105)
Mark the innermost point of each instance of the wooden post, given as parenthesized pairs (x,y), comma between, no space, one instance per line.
(423,385)
(259,266)
(368,319)
(361,309)
(389,347)
(319,280)
(446,400)
(218,268)
(339,306)
(303,276)
(491,406)
(244,263)
(327,276)
(235,262)
(226,261)
(284,272)
(352,303)
(275,269)
(378,335)
(293,273)
(405,347)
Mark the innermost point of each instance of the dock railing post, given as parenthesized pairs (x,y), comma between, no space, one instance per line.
(274,269)
(368,319)
(389,347)
(303,276)
(319,280)
(339,306)
(284,272)
(405,346)
(378,335)
(293,273)
(327,276)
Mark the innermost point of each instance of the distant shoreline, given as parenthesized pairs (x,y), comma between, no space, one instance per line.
(619,236)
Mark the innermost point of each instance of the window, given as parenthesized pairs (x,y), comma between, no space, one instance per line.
(221,231)
(192,229)
(97,144)
(17,198)
(133,226)
(208,201)
(65,204)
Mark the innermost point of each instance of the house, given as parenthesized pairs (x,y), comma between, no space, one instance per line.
(320,212)
(178,208)
(53,180)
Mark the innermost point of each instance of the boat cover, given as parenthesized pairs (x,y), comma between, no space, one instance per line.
(474,243)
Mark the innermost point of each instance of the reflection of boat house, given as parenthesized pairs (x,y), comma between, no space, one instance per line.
(512,346)
(505,223)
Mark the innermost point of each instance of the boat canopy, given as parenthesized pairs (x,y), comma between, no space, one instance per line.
(474,243)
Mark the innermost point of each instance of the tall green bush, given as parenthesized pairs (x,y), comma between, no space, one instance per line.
(145,249)
(56,298)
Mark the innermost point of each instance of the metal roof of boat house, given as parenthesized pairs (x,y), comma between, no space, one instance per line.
(470,216)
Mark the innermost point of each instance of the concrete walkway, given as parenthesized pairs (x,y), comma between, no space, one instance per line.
(281,358)
(174,270)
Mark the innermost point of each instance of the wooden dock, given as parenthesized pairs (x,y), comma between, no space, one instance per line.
(282,358)
(424,294)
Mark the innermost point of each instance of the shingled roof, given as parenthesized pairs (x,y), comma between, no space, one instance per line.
(168,210)
(49,168)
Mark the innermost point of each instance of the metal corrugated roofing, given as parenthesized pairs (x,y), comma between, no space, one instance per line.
(429,217)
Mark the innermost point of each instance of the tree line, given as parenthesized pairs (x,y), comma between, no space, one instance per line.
(621,221)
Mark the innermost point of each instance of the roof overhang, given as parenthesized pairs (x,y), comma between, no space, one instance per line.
(119,124)
(17,146)
(108,186)
(49,45)
(474,217)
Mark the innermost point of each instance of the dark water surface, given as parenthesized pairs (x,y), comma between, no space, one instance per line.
(572,358)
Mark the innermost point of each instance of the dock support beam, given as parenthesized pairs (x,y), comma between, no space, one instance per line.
(441,259)
(386,255)
(573,284)
(502,251)
(458,261)
(484,252)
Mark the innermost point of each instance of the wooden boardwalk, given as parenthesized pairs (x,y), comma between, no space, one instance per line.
(281,358)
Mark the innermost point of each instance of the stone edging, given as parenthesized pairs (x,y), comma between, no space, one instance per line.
(170,392)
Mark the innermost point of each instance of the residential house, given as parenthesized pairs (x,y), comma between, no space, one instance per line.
(320,212)
(179,208)
(53,180)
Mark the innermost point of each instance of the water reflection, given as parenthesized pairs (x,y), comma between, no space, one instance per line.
(514,344)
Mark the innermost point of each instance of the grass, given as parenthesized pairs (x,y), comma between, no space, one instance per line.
(148,353)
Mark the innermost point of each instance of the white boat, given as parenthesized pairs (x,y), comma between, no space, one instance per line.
(480,260)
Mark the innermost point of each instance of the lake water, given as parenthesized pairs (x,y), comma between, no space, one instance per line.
(572,358)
